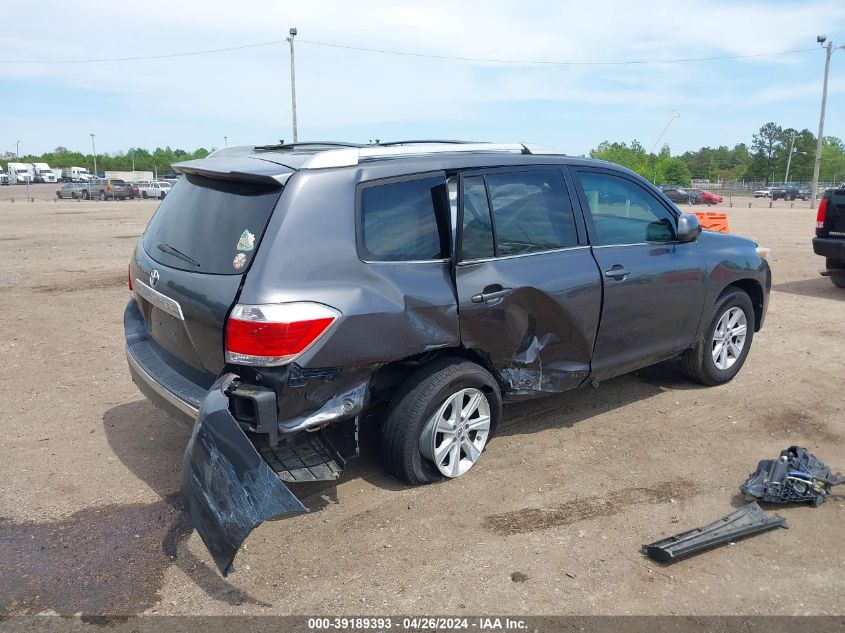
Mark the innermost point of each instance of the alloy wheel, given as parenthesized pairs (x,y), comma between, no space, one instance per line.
(729,338)
(454,437)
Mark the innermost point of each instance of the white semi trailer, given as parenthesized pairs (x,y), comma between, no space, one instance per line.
(20,173)
(76,174)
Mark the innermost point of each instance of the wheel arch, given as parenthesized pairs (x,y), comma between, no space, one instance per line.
(754,290)
(388,378)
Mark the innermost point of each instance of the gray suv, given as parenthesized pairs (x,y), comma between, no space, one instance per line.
(284,295)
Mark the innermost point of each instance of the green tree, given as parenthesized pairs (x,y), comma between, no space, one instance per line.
(765,145)
(675,172)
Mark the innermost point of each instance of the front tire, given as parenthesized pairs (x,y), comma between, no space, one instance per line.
(439,421)
(723,346)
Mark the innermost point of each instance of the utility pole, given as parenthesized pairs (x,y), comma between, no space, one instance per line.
(789,159)
(820,140)
(18,150)
(293,84)
(94,149)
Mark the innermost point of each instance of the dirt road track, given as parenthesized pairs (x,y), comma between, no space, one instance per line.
(550,521)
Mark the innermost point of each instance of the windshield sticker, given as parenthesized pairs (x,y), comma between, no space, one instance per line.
(247,241)
(240,260)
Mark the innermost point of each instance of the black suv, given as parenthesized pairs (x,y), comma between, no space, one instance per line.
(282,295)
(790,192)
(830,235)
(676,193)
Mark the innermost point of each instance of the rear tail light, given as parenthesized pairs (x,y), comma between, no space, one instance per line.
(268,335)
(820,216)
(129,277)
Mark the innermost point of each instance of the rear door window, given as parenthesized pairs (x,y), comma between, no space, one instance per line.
(404,220)
(531,212)
(477,230)
(209,225)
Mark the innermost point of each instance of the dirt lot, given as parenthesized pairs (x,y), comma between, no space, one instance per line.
(550,521)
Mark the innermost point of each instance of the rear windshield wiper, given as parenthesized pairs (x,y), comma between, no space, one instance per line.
(167,248)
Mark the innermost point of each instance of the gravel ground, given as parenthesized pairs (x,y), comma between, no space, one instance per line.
(550,521)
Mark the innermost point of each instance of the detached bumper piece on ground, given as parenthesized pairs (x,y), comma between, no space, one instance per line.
(797,476)
(746,521)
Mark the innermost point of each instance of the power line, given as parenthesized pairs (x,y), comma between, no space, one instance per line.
(539,62)
(140,57)
(554,62)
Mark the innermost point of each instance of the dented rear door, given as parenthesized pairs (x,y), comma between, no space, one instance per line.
(529,290)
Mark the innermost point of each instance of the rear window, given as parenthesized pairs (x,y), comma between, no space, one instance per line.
(399,220)
(207,225)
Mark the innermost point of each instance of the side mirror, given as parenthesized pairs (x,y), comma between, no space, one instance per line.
(689,228)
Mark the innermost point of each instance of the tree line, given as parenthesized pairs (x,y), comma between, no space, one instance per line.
(764,160)
(159,159)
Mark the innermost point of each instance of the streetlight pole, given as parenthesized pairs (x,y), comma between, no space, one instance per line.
(820,140)
(18,150)
(293,84)
(94,149)
(225,141)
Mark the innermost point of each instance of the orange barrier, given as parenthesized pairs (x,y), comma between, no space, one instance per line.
(713,221)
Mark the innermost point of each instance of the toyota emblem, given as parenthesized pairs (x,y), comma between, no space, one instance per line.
(154,277)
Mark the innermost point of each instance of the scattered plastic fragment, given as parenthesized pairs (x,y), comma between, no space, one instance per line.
(746,521)
(797,476)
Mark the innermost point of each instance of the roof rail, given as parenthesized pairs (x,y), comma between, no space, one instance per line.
(306,144)
(350,156)
(424,142)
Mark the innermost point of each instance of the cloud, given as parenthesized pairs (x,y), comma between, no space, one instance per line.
(249,89)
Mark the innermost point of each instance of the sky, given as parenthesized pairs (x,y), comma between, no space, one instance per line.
(244,95)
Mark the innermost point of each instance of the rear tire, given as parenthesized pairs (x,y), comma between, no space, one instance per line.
(699,363)
(837,271)
(413,407)
(144,195)
(102,195)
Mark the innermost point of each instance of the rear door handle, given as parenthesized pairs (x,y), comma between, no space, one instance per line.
(618,272)
(486,297)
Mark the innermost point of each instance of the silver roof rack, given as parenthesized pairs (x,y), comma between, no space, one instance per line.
(321,155)
(350,156)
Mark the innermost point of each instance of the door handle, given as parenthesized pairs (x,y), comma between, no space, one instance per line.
(486,297)
(617,272)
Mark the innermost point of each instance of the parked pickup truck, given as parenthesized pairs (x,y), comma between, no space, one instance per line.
(790,192)
(830,235)
(155,189)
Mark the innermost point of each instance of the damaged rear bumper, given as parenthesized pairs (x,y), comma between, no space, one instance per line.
(227,487)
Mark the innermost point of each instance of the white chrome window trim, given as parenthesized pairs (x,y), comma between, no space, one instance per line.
(655,243)
(443,260)
(494,259)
